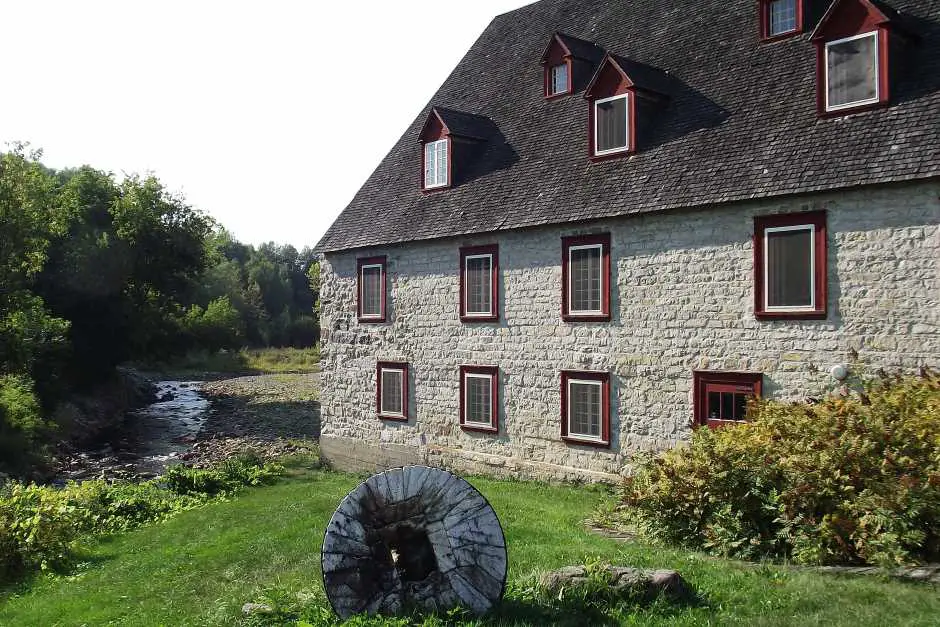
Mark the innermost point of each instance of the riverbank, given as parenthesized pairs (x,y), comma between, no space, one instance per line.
(201,423)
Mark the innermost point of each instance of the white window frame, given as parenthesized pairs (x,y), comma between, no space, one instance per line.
(466,288)
(770,22)
(812,267)
(551,80)
(433,146)
(362,287)
(626,147)
(585,312)
(466,399)
(859,103)
(598,439)
(403,388)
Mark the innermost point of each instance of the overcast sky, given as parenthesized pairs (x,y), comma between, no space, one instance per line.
(267,115)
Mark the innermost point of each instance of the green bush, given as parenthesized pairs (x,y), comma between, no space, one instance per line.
(852,479)
(245,469)
(22,427)
(39,525)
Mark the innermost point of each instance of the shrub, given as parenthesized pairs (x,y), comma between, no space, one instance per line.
(22,427)
(852,479)
(246,469)
(37,527)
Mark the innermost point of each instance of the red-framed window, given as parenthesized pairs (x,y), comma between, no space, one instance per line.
(585,278)
(479,283)
(790,266)
(780,18)
(371,300)
(479,398)
(391,390)
(558,79)
(721,397)
(585,407)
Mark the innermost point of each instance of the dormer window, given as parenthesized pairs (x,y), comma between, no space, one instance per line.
(436,164)
(857,45)
(451,141)
(558,80)
(780,18)
(615,93)
(569,63)
(611,125)
(852,71)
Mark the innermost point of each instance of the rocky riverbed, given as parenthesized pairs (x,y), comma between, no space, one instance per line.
(204,422)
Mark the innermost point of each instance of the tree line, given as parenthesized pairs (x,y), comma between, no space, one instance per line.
(96,271)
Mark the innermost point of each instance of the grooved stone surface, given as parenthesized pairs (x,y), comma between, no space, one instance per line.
(413,537)
(682,300)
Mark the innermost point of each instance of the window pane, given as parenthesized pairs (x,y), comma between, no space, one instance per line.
(782,16)
(559,79)
(371,291)
(391,392)
(435,163)
(584,409)
(714,405)
(851,71)
(740,406)
(611,124)
(478,399)
(479,292)
(789,268)
(584,276)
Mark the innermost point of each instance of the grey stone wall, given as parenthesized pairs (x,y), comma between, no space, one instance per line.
(682,300)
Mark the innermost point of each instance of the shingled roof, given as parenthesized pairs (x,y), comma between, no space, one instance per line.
(741,124)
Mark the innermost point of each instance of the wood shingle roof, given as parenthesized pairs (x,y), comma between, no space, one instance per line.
(741,123)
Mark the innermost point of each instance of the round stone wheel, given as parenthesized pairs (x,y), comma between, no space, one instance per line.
(413,538)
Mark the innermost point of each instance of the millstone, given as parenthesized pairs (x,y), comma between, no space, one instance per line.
(413,538)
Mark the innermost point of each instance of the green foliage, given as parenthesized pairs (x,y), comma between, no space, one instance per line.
(243,470)
(40,525)
(854,479)
(217,326)
(22,427)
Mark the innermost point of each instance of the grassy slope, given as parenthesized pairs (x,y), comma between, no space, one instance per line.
(201,567)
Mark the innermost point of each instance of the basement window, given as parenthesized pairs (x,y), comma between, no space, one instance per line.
(721,397)
(585,407)
(790,263)
(479,405)
(392,390)
(852,72)
(372,294)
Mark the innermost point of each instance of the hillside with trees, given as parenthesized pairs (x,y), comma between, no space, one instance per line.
(97,271)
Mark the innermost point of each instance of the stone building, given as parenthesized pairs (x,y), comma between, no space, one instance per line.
(615,221)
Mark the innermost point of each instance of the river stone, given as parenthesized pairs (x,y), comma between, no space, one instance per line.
(624,582)
(413,537)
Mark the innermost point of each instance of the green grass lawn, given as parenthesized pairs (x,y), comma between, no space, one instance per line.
(202,566)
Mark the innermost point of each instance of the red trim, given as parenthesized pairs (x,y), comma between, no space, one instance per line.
(702,380)
(884,95)
(586,240)
(577,375)
(764,9)
(493,372)
(391,365)
(548,80)
(820,261)
(383,301)
(468,251)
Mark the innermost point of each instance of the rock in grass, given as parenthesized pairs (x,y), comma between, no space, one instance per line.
(256,608)
(623,582)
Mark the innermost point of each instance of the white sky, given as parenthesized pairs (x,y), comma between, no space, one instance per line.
(241,106)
